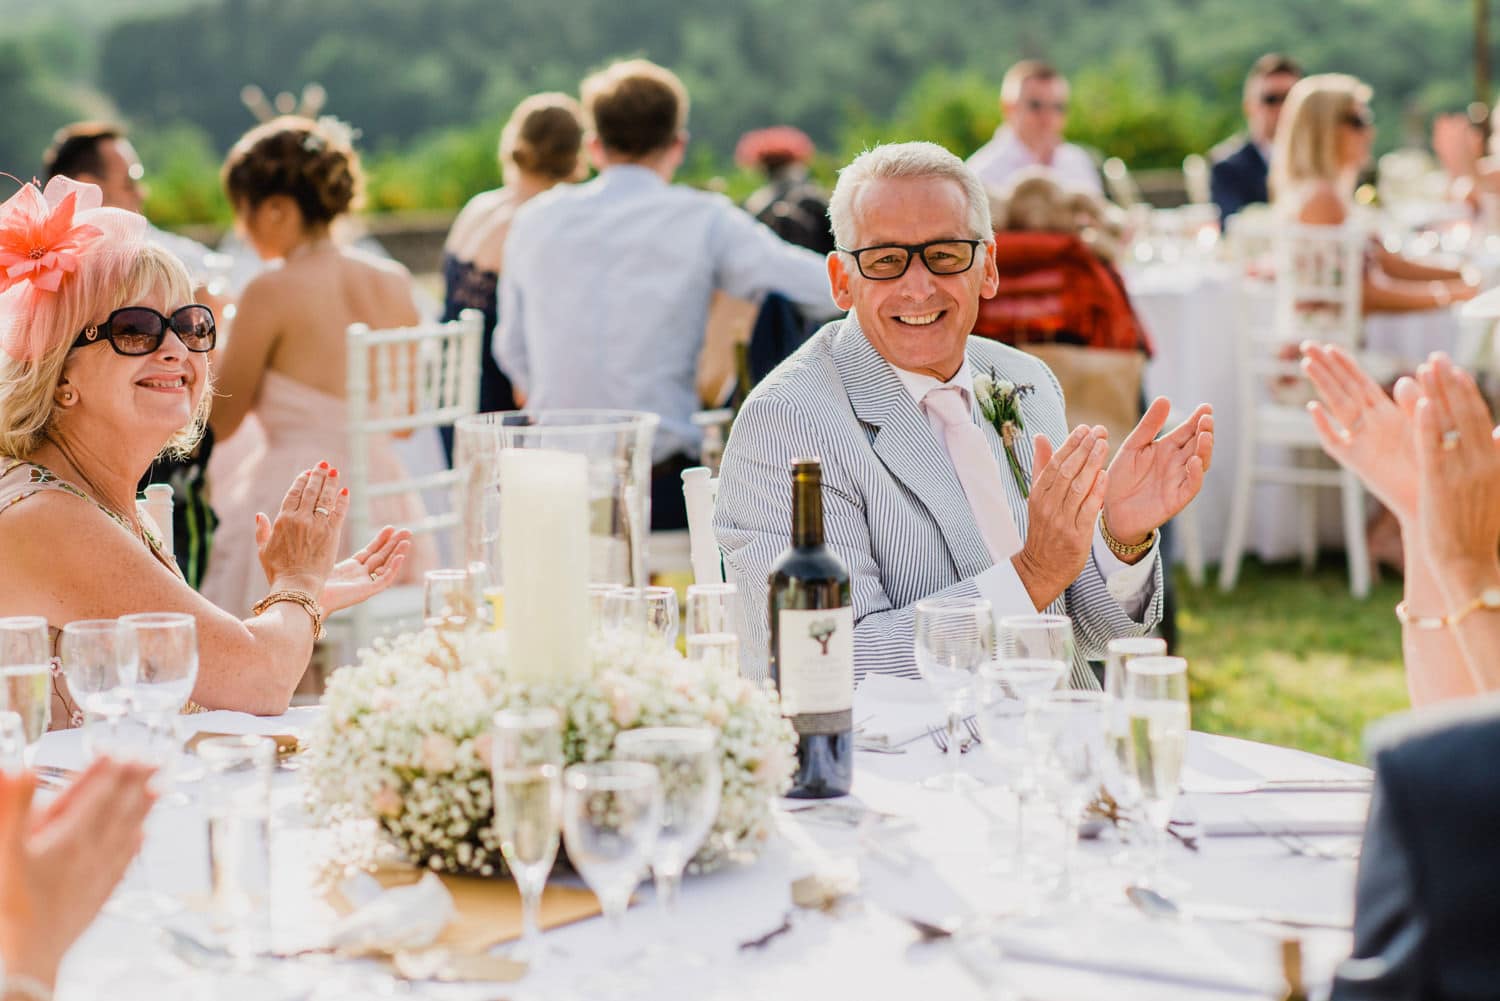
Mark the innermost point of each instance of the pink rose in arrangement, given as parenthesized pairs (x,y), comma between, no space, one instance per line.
(623,705)
(438,753)
(387,802)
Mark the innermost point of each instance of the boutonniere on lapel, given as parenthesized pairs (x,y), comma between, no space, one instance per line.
(1000,402)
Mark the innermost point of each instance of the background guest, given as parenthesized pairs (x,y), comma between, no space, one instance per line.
(789,202)
(282,376)
(605,290)
(1241,164)
(1323,142)
(539,148)
(103,365)
(1034,100)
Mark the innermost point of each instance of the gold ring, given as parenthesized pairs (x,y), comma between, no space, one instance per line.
(374,574)
(321,511)
(1450,440)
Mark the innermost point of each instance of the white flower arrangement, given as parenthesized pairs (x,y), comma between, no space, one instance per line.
(404,739)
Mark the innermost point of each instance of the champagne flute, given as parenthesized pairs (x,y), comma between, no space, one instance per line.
(1156,707)
(12,744)
(451,599)
(954,639)
(1122,782)
(713,625)
(687,762)
(526,767)
(26,674)
(611,820)
(1066,730)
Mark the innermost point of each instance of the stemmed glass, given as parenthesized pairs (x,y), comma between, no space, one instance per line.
(953,641)
(26,674)
(527,771)
(12,744)
(1156,710)
(99,661)
(1122,782)
(687,762)
(1066,730)
(713,625)
(611,819)
(1007,687)
(1036,637)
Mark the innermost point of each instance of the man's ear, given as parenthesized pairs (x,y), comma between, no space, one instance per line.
(838,280)
(991,283)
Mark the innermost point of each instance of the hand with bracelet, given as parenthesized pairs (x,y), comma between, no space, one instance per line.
(1153,478)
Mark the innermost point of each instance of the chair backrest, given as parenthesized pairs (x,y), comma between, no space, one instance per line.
(402,380)
(700,490)
(1319,279)
(1195,178)
(156,507)
(1121,186)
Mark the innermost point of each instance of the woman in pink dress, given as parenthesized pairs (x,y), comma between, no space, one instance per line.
(281,374)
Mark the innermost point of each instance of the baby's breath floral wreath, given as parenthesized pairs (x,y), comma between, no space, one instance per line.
(405,734)
(1000,402)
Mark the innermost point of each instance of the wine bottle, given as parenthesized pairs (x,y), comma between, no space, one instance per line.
(812,644)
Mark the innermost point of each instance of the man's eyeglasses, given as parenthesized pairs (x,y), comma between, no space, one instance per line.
(1273,100)
(1360,119)
(886,261)
(1036,107)
(139,330)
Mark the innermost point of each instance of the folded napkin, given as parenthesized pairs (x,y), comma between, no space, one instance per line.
(895,711)
(1272,814)
(407,918)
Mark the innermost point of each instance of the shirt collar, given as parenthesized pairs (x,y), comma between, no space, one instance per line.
(630,175)
(919,385)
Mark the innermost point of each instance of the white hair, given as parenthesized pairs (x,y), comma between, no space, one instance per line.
(906,160)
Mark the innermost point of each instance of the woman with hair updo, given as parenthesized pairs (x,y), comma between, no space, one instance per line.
(539,148)
(104,364)
(282,371)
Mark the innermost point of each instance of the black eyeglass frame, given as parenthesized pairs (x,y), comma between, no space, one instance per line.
(94,333)
(1359,120)
(913,250)
(1273,100)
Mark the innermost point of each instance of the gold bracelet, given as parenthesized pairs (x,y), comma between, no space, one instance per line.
(307,601)
(1488,599)
(1121,549)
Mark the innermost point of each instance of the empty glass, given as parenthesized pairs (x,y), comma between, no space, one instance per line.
(687,761)
(600,608)
(611,820)
(1007,688)
(1036,637)
(526,767)
(1066,730)
(1157,722)
(99,660)
(26,674)
(237,800)
(452,599)
(713,625)
(953,640)
(661,613)
(166,645)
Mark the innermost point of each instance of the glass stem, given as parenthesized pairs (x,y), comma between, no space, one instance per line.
(1071,821)
(954,721)
(668,887)
(531,928)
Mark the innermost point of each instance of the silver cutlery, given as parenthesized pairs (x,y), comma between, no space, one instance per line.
(1153,904)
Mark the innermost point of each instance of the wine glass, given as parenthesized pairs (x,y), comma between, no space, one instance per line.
(954,639)
(99,659)
(713,625)
(526,767)
(1007,687)
(1066,730)
(1121,781)
(1158,720)
(26,674)
(451,599)
(687,761)
(1036,637)
(611,820)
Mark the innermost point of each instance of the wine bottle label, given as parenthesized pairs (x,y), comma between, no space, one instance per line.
(816,665)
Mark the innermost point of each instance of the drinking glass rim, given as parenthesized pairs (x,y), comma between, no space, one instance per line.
(955,606)
(1034,620)
(611,776)
(19,622)
(91,626)
(448,573)
(157,619)
(995,668)
(1140,646)
(1073,698)
(688,736)
(1160,667)
(533,718)
(712,589)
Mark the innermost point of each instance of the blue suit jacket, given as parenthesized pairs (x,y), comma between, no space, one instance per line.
(1238,178)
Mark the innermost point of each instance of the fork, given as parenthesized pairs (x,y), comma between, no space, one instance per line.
(1301,846)
(939,737)
(972,725)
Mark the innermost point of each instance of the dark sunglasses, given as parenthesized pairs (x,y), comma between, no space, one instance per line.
(1273,100)
(1060,107)
(139,330)
(888,261)
(1362,119)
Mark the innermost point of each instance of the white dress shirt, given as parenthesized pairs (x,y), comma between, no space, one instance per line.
(605,290)
(1130,584)
(998,160)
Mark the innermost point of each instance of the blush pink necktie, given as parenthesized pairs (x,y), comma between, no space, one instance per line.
(977,470)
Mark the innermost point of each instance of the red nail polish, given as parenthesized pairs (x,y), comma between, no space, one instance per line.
(322,465)
(344,492)
(333,474)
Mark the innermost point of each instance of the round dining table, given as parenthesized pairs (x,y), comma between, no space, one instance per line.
(1266,851)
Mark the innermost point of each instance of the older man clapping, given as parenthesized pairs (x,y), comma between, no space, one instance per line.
(920,498)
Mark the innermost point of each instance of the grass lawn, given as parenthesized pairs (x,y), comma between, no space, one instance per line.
(1291,658)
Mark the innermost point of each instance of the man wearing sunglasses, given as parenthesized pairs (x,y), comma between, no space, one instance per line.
(1242,163)
(920,498)
(1034,99)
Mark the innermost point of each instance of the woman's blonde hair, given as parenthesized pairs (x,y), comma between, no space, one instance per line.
(109,276)
(1307,138)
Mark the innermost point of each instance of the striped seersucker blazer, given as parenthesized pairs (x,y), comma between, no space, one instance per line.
(893,507)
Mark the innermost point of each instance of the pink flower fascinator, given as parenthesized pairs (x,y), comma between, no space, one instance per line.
(45,234)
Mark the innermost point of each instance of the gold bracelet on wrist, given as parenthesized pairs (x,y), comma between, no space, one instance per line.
(1487,599)
(1120,548)
(308,602)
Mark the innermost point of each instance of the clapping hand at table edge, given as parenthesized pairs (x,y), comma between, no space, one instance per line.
(1154,476)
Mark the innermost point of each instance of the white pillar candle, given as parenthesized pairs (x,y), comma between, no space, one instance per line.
(544,562)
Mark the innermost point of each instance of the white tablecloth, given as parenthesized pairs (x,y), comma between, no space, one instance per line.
(936,867)
(1192,313)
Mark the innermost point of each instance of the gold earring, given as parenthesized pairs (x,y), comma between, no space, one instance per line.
(69,397)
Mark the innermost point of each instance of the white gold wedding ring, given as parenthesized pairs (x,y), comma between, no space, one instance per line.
(1450,440)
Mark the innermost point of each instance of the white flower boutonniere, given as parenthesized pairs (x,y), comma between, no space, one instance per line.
(1000,403)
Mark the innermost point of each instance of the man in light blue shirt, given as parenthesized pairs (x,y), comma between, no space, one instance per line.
(605,288)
